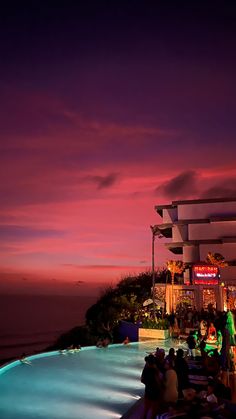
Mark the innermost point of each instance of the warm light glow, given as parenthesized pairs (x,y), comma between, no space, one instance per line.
(205,274)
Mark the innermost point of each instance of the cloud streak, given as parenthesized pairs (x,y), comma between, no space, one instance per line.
(15,233)
(127,120)
(226,188)
(182,186)
(103,182)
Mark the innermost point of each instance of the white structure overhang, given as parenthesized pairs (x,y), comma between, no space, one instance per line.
(159,208)
(177,247)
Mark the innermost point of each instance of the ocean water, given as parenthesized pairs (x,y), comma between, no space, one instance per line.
(30,323)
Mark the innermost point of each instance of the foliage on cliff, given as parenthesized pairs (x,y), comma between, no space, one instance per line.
(123,301)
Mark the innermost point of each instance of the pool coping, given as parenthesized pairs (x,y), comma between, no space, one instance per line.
(133,411)
(13,363)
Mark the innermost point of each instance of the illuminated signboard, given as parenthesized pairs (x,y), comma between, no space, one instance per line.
(205,274)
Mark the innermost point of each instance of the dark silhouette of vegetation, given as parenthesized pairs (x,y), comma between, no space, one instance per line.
(123,301)
(79,335)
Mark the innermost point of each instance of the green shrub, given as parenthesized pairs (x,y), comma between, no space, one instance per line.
(161,324)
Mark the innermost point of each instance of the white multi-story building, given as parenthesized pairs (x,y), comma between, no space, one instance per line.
(197,227)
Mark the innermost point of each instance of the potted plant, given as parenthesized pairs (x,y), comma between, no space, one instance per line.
(154,329)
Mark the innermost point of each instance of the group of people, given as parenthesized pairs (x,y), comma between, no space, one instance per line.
(103,342)
(205,333)
(70,349)
(210,342)
(167,387)
(200,320)
(164,377)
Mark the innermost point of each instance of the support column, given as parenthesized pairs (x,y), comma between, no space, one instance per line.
(168,303)
(220,299)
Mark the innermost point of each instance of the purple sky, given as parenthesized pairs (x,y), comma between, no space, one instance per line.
(108,109)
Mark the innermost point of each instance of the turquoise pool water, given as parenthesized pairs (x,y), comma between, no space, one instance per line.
(93,383)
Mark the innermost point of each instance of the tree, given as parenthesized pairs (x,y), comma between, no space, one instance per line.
(216,259)
(175,267)
(122,302)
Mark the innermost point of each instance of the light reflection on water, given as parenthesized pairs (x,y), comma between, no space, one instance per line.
(94,383)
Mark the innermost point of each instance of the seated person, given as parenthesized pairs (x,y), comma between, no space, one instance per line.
(126,341)
(70,349)
(211,332)
(106,341)
(222,392)
(24,360)
(73,348)
(99,343)
(209,395)
(203,329)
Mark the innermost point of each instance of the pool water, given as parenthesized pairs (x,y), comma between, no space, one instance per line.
(93,383)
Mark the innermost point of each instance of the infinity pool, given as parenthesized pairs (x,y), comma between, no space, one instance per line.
(93,383)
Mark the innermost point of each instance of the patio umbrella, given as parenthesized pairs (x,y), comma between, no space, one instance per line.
(147,302)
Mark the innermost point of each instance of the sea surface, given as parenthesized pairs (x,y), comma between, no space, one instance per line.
(30,323)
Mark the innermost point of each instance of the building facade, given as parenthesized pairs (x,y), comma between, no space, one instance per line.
(195,228)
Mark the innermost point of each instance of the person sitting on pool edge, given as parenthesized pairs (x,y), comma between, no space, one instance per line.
(106,342)
(103,343)
(24,360)
(71,349)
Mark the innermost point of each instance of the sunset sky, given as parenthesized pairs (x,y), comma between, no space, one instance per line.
(108,109)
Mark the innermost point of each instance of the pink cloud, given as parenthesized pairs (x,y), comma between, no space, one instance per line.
(94,183)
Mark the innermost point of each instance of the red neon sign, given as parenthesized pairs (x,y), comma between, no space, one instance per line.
(205,274)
